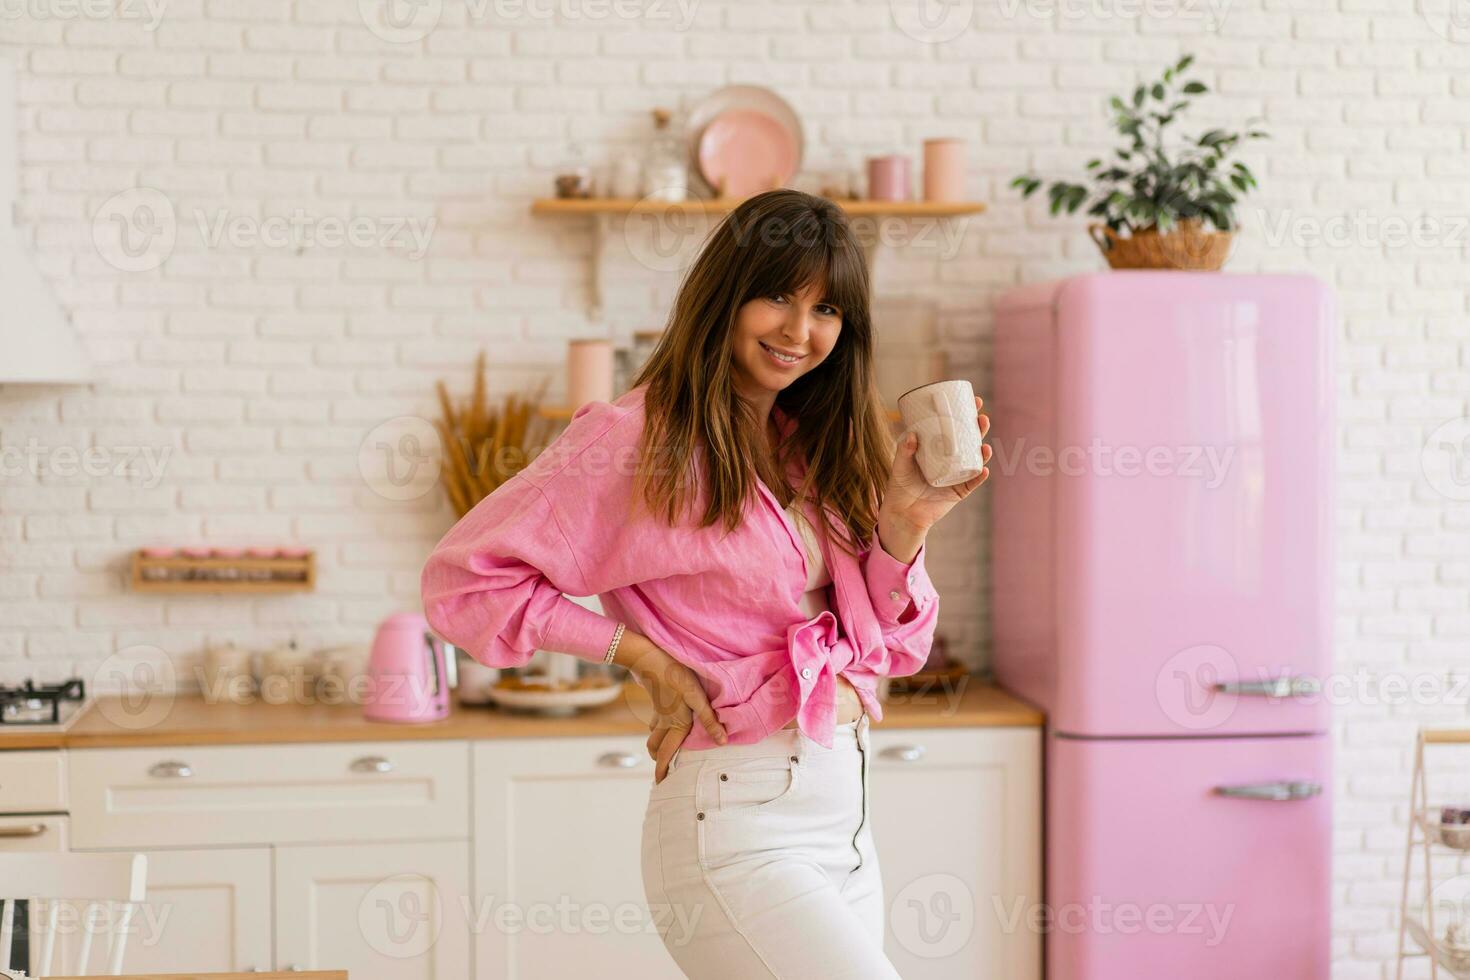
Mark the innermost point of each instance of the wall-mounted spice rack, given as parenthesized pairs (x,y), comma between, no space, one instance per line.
(253,570)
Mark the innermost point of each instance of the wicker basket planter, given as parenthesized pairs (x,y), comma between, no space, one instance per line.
(1188,246)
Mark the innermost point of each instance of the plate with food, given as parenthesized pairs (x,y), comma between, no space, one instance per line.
(540,694)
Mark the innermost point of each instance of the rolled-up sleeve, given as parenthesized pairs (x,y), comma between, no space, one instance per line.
(496,585)
(906,605)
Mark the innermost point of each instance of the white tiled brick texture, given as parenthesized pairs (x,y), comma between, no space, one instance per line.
(253,373)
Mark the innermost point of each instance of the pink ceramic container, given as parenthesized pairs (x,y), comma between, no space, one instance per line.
(944,170)
(888,178)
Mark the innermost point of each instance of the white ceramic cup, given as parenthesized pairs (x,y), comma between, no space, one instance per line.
(944,416)
(475,680)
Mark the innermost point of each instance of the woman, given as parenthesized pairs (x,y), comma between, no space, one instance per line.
(757,543)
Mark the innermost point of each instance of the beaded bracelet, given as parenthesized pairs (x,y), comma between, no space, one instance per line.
(612,647)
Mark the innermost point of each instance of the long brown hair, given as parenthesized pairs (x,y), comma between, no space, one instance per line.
(774,243)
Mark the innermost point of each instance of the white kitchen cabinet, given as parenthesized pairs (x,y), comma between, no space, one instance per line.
(558,829)
(957,821)
(380,911)
(41,833)
(207,911)
(29,835)
(199,796)
(32,781)
(358,856)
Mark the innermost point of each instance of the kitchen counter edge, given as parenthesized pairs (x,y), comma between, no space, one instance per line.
(189,719)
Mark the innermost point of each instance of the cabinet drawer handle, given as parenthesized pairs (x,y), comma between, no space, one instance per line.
(371,763)
(617,760)
(904,753)
(171,770)
(1282,792)
(24,830)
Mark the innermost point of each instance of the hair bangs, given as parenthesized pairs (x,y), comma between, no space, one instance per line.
(808,251)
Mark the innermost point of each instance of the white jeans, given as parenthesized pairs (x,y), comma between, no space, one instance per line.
(758,860)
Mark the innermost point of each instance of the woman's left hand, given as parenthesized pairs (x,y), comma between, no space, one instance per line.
(910,503)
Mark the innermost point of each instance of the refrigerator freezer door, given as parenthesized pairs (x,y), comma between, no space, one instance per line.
(1201,858)
(1172,518)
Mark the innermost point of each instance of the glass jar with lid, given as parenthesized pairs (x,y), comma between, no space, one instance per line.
(665,170)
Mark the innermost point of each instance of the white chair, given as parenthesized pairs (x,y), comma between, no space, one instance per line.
(110,883)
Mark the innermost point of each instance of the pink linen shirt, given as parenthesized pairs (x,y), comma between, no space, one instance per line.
(727,606)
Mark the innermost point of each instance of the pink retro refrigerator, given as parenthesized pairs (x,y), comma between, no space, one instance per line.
(1161,576)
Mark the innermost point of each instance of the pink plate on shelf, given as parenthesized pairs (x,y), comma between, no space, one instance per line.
(755,98)
(749,151)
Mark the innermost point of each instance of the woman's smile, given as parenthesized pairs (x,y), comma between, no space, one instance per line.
(781,355)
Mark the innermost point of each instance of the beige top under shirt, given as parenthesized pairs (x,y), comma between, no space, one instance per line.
(817,577)
(814,600)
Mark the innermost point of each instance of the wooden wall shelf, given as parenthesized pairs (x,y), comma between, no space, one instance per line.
(562,413)
(603,210)
(627,205)
(222,575)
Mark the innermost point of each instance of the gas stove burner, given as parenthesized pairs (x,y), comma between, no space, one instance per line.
(40,704)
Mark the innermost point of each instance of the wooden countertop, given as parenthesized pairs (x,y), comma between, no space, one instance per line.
(192,720)
(293,975)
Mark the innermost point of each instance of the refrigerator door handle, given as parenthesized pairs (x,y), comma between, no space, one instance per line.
(1281,791)
(1281,687)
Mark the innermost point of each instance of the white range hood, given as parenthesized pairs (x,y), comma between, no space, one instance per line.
(37,342)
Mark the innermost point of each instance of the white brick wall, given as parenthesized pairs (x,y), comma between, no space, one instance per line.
(255,372)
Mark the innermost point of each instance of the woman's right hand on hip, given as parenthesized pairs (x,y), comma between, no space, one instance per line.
(678,698)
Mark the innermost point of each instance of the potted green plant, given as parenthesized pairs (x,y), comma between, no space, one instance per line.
(1158,199)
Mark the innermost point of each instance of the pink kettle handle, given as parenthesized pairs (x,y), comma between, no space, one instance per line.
(440,693)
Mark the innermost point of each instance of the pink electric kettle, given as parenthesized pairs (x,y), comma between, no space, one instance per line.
(408,679)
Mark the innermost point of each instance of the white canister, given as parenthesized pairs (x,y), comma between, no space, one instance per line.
(283,675)
(227,675)
(339,674)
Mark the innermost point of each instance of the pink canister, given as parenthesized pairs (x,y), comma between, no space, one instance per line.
(888,178)
(944,170)
(589,372)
